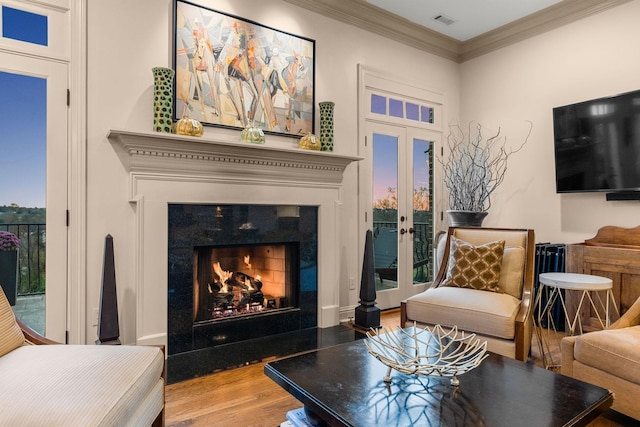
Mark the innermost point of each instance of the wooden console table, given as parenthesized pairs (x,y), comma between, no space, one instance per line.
(613,253)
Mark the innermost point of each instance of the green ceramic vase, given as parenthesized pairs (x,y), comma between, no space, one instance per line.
(326,125)
(163,99)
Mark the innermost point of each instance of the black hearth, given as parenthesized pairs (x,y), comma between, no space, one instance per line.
(240,276)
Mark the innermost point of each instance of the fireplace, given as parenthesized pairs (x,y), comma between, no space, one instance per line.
(238,273)
(216,170)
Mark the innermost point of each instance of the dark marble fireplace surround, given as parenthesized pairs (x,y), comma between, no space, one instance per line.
(198,348)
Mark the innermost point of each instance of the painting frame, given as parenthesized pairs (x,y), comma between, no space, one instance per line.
(232,72)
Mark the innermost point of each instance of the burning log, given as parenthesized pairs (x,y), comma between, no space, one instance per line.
(234,291)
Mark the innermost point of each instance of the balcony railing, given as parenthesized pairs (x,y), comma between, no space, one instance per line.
(422,259)
(31,256)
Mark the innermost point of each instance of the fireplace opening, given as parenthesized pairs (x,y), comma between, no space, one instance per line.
(242,280)
(240,277)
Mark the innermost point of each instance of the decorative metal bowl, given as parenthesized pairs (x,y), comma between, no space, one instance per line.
(427,351)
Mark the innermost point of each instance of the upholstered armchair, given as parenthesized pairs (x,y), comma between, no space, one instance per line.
(610,359)
(485,286)
(46,383)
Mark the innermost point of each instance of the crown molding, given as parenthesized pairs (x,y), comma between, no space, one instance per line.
(552,17)
(371,18)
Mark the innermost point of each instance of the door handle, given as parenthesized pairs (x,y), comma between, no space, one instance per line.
(403,231)
(411,230)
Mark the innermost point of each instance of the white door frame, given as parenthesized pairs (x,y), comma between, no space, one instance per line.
(67,46)
(374,81)
(56,76)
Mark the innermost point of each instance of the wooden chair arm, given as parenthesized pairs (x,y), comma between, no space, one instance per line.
(630,318)
(32,336)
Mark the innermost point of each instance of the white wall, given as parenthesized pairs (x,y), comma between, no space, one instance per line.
(127,38)
(591,58)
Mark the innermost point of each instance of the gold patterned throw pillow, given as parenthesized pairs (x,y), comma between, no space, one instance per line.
(476,267)
(10,333)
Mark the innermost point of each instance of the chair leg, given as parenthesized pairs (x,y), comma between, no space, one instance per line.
(159,421)
(403,313)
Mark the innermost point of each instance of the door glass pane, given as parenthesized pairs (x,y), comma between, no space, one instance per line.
(422,218)
(426,114)
(378,104)
(385,210)
(22,196)
(413,111)
(396,108)
(25,26)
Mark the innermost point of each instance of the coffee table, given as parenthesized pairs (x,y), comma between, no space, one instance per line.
(344,386)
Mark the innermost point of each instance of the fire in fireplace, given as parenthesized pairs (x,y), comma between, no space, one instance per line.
(241,280)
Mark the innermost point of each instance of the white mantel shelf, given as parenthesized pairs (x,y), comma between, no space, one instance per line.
(170,154)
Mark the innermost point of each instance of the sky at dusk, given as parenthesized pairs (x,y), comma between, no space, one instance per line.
(23,117)
(385,164)
(22,140)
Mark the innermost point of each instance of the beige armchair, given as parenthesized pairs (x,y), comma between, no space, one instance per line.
(501,313)
(609,358)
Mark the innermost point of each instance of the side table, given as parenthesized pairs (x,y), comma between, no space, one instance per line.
(552,285)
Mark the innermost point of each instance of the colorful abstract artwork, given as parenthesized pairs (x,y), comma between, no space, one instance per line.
(232,72)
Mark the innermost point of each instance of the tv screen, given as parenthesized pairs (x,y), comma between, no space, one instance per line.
(597,144)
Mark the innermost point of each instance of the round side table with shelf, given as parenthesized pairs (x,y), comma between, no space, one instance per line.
(552,285)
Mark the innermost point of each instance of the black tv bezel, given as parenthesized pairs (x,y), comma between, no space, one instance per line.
(612,194)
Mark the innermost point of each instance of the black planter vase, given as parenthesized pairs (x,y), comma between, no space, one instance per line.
(465,218)
(9,274)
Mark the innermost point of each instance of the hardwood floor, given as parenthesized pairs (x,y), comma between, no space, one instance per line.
(245,397)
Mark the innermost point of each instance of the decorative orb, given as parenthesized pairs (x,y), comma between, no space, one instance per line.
(252,134)
(310,142)
(188,126)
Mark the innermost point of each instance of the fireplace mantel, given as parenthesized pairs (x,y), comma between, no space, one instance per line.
(166,169)
(170,154)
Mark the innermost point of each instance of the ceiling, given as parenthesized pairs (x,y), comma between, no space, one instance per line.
(471,17)
(479,27)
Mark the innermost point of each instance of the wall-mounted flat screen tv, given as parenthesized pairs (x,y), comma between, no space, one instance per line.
(597,145)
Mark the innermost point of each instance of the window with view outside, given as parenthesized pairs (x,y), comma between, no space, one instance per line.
(23,172)
(422,217)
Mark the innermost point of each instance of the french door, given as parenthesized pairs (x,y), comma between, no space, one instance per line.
(398,168)
(39,87)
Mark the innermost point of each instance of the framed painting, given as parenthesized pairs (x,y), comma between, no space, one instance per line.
(231,72)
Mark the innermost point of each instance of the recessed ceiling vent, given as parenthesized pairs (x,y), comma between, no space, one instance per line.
(447,20)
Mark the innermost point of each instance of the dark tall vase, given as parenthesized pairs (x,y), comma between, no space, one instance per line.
(9,274)
(163,99)
(326,125)
(465,218)
(367,315)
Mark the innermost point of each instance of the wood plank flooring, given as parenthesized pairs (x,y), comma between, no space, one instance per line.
(245,397)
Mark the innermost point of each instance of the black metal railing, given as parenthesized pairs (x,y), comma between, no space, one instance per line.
(31,256)
(422,244)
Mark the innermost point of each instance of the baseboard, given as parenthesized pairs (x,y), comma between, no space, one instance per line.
(347,314)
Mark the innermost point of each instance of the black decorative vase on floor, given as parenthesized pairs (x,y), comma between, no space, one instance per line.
(9,274)
(108,325)
(367,315)
(465,218)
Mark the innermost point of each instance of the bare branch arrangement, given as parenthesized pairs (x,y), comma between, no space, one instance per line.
(440,353)
(474,167)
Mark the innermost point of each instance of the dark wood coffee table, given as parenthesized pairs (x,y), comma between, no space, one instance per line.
(344,386)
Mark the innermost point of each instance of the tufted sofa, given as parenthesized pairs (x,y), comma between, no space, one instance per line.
(610,359)
(76,385)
